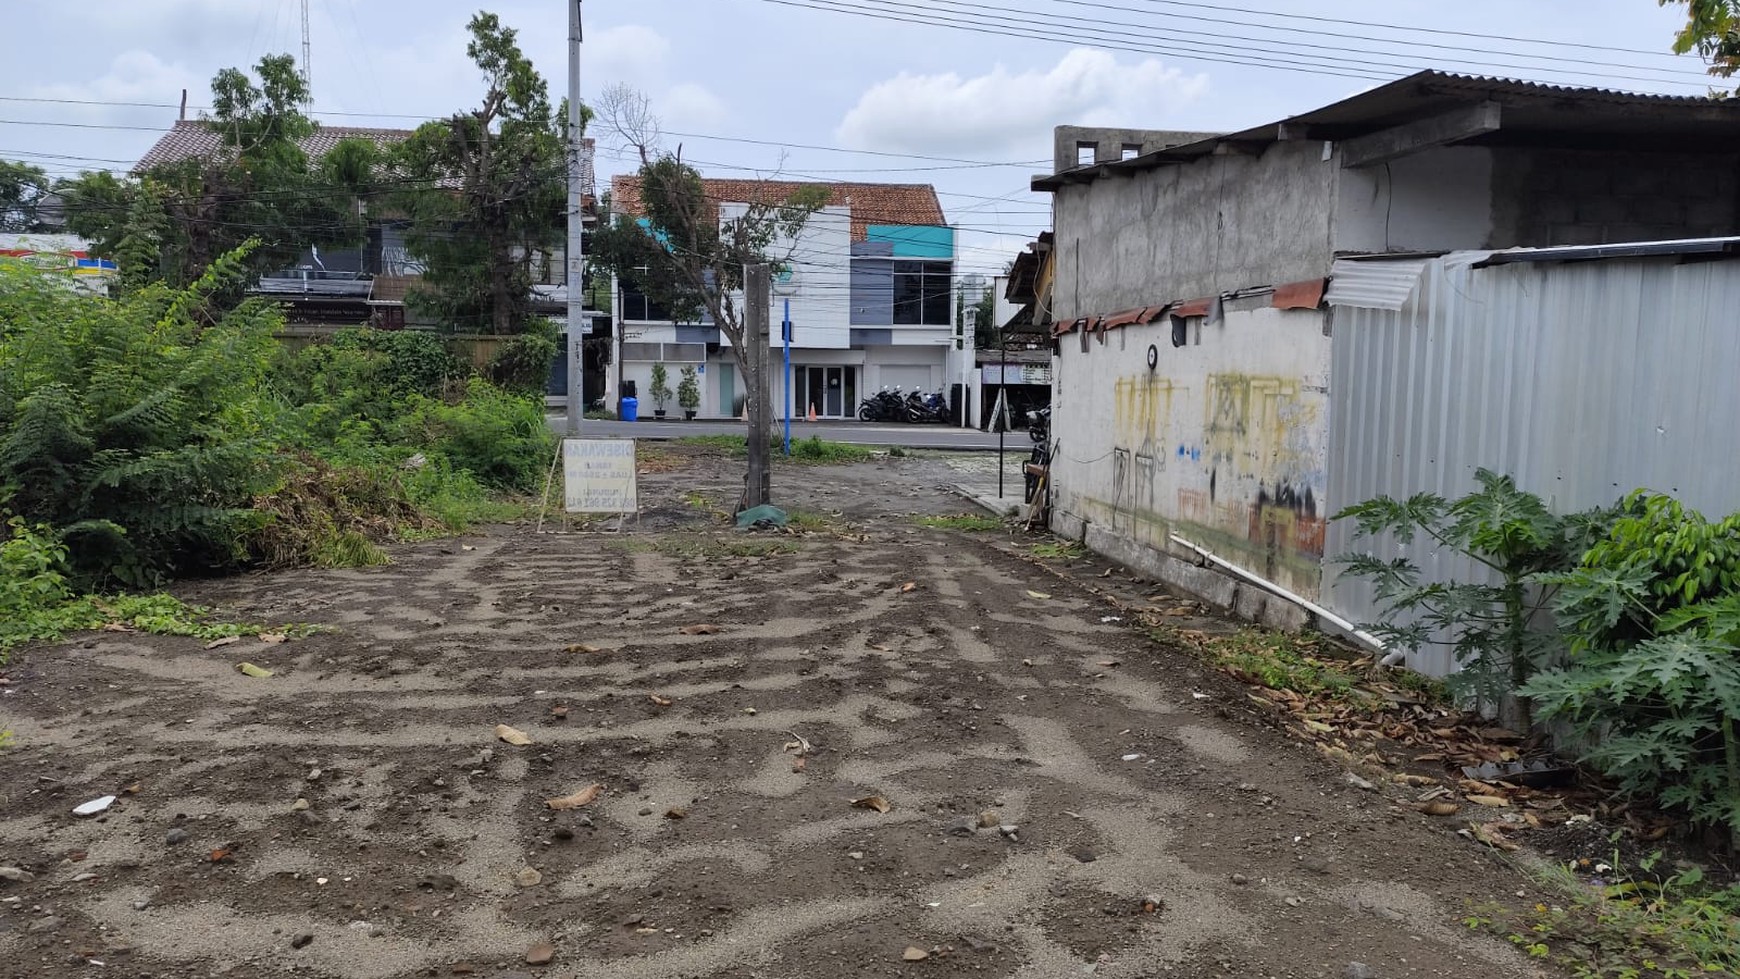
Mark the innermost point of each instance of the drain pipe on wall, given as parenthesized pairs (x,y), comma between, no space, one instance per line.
(1391,657)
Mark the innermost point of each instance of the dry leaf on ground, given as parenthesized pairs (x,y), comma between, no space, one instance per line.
(272,638)
(909,586)
(1496,801)
(257,672)
(582,647)
(1440,807)
(225,641)
(581,797)
(661,701)
(1492,835)
(875,802)
(1042,596)
(914,954)
(512,736)
(702,629)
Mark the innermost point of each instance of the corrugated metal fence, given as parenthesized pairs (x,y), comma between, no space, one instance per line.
(1583,380)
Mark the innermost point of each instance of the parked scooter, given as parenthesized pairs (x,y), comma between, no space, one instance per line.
(922,408)
(883,406)
(1039,424)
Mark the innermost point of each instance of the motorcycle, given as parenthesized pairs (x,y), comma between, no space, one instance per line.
(883,406)
(922,408)
(1039,424)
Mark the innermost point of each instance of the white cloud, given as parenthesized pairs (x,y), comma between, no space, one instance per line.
(1001,111)
(687,106)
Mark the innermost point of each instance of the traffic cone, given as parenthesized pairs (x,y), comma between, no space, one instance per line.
(812,415)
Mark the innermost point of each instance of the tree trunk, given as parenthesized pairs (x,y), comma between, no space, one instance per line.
(758,483)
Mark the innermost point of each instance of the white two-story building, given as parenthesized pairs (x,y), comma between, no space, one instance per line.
(870,286)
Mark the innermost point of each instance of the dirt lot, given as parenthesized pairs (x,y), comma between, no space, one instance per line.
(1153,833)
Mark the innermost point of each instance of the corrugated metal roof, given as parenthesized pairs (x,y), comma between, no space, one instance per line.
(1532,110)
(1640,249)
(1374,283)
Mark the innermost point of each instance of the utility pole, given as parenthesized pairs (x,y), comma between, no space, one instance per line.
(576,238)
(757,293)
(785,333)
(307,50)
(968,348)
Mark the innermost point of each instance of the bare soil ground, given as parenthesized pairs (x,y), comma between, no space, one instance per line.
(1154,833)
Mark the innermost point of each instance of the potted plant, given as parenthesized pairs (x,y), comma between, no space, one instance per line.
(660,390)
(689,393)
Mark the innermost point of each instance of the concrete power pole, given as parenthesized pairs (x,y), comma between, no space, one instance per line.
(576,240)
(757,296)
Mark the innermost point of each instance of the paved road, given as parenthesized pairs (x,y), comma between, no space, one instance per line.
(857,433)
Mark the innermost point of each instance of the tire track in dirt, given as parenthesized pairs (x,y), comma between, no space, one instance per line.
(420,821)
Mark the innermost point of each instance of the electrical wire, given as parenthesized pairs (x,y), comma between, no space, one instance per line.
(926,15)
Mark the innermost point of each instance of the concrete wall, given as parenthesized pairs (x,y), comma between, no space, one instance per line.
(1564,197)
(1109,145)
(1432,201)
(1194,230)
(1225,443)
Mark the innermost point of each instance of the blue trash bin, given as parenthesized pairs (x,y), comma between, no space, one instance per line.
(630,409)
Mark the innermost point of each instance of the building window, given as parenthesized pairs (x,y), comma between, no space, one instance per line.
(1130,151)
(1086,154)
(638,307)
(922,293)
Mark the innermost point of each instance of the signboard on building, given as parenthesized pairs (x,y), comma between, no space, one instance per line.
(598,476)
(1017,374)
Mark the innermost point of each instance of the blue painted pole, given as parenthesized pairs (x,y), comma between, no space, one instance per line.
(786,331)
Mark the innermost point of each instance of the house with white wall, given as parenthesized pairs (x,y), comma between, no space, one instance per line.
(1220,384)
(870,286)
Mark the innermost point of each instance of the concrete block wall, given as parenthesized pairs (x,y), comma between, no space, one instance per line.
(1564,197)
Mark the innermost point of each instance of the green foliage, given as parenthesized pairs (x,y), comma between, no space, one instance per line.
(1489,624)
(1713,31)
(351,388)
(961,521)
(817,450)
(38,602)
(660,388)
(523,363)
(689,390)
(22,189)
(500,438)
(1652,679)
(135,428)
(484,190)
(1065,550)
(1626,923)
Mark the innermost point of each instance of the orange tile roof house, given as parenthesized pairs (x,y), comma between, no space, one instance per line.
(870,282)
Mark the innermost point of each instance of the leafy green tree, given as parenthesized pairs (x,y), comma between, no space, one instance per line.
(258,185)
(22,190)
(485,190)
(1713,31)
(689,258)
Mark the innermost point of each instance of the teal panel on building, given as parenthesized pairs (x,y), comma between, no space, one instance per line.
(914,240)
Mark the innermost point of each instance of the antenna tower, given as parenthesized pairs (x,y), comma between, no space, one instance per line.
(307,49)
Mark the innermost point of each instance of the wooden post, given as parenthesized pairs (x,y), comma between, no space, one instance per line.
(757,290)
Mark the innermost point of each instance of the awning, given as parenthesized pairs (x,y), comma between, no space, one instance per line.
(1374,283)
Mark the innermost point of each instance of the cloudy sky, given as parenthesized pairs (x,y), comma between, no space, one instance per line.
(958,94)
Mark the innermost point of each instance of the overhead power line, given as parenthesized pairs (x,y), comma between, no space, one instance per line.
(1036,28)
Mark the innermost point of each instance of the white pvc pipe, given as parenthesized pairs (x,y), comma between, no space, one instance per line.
(1392,657)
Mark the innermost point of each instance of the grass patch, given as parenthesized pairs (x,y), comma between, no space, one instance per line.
(1614,921)
(812,522)
(1280,661)
(1065,550)
(962,521)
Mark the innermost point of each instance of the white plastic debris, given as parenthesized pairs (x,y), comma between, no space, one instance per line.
(95,806)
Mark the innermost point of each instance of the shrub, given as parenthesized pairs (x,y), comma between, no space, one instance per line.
(348,390)
(1489,625)
(660,388)
(135,427)
(522,364)
(689,390)
(500,438)
(1652,677)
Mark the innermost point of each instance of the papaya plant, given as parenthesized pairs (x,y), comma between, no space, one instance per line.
(1492,625)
